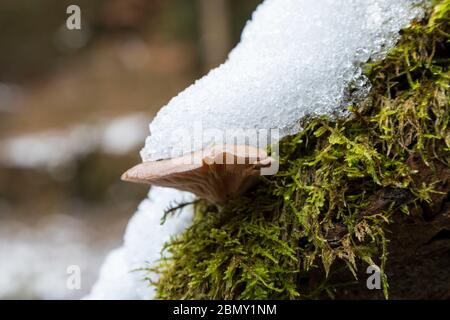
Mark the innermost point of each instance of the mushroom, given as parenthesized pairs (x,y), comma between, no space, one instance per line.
(295,59)
(216,173)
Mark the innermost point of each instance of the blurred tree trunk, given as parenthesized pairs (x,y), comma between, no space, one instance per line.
(215,32)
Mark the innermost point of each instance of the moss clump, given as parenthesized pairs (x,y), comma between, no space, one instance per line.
(319,215)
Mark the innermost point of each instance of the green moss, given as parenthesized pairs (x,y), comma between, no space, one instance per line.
(286,237)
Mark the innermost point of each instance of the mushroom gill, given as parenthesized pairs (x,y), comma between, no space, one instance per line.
(216,173)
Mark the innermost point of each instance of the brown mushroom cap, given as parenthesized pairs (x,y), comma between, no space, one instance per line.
(216,173)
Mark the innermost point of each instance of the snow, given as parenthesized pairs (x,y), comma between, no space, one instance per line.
(123,134)
(143,242)
(116,280)
(296,57)
(54,148)
(34,258)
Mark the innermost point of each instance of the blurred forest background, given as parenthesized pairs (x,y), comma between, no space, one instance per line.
(74,112)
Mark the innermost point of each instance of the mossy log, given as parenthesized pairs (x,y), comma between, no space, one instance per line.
(372,188)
